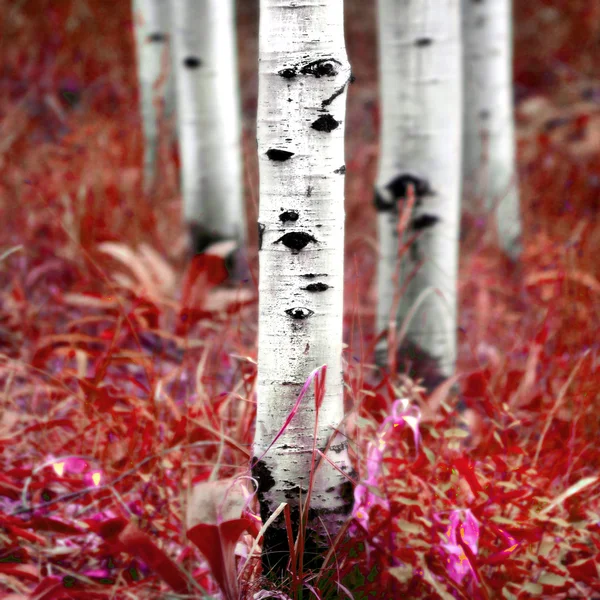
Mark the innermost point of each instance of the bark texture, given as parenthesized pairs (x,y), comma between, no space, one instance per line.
(303,78)
(489,136)
(151,26)
(209,121)
(420,66)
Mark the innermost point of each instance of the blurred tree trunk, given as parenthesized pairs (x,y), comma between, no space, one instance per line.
(209,122)
(303,78)
(151,27)
(421,99)
(489,136)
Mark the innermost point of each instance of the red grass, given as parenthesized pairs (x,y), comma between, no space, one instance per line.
(127,378)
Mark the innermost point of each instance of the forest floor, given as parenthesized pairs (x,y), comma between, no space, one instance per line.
(127,376)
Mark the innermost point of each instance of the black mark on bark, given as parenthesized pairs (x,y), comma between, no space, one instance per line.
(262,474)
(337,92)
(309,190)
(279,155)
(399,186)
(423,42)
(192,62)
(380,203)
(261,230)
(295,492)
(424,222)
(157,36)
(324,67)
(347,490)
(398,190)
(299,313)
(289,73)
(325,123)
(316,287)
(313,275)
(296,240)
(484,114)
(341,170)
(337,448)
(289,215)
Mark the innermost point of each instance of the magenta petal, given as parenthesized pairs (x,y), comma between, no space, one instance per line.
(470,531)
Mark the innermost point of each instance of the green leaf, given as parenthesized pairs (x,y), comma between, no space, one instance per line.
(403,574)
(409,527)
(535,589)
(506,594)
(456,432)
(429,454)
(574,489)
(552,579)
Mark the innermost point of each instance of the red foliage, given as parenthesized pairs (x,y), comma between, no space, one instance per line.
(119,392)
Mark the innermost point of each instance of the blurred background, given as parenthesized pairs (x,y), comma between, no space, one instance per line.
(71,152)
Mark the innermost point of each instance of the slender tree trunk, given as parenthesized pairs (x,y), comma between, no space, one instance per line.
(209,121)
(489,137)
(151,26)
(303,78)
(421,98)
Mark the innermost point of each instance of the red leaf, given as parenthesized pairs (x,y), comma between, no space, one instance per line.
(585,570)
(136,543)
(53,525)
(109,529)
(24,534)
(49,425)
(21,571)
(49,589)
(466,468)
(476,384)
(217,543)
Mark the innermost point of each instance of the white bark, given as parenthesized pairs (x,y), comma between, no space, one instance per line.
(303,78)
(209,118)
(489,136)
(421,99)
(151,26)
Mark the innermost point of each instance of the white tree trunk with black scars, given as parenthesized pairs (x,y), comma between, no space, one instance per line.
(303,78)
(489,131)
(209,121)
(151,27)
(421,101)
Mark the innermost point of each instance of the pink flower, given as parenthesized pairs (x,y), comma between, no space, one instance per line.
(402,414)
(458,563)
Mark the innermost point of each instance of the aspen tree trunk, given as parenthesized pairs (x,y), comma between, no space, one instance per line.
(303,78)
(151,26)
(489,136)
(421,99)
(209,121)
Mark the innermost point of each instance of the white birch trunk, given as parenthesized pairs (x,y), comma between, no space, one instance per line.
(303,78)
(151,27)
(489,136)
(209,120)
(421,99)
